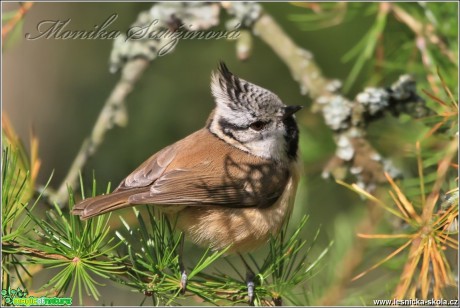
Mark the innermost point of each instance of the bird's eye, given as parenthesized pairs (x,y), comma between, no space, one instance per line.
(258,125)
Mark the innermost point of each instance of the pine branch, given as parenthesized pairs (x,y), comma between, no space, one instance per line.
(66,243)
(424,34)
(17,249)
(154,266)
(150,262)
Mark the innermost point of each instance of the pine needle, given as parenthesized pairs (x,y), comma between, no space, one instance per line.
(394,253)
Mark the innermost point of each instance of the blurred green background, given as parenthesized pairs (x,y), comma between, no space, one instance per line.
(58,87)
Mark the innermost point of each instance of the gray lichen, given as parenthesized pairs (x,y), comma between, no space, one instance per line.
(391,169)
(349,119)
(404,98)
(365,185)
(403,88)
(374,100)
(157,32)
(337,112)
(244,13)
(192,15)
(334,86)
(344,149)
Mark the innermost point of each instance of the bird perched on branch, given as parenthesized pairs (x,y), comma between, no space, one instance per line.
(230,184)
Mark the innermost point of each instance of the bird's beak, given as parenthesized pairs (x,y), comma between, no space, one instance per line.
(290,110)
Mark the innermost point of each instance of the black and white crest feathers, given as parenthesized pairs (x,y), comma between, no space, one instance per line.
(237,94)
(230,82)
(241,107)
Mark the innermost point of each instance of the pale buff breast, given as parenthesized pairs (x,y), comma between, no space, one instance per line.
(243,228)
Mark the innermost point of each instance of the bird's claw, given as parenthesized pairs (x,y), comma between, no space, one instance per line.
(183,281)
(250,285)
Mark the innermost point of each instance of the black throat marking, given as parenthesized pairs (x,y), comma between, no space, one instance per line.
(291,137)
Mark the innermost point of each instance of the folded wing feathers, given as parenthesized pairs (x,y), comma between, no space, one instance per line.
(105,203)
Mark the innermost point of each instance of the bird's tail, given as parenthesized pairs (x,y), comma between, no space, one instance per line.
(98,205)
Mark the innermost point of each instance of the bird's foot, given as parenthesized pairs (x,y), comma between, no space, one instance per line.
(183,276)
(183,281)
(251,286)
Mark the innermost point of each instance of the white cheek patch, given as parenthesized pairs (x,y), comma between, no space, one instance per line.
(273,146)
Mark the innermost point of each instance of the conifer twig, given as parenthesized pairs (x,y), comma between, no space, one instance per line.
(31,252)
(422,32)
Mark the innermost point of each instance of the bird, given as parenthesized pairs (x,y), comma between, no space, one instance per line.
(229,185)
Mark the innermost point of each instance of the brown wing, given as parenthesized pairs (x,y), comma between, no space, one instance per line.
(98,205)
(202,186)
(203,170)
(198,170)
(150,170)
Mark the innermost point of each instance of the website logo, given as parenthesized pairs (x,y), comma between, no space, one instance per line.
(18,297)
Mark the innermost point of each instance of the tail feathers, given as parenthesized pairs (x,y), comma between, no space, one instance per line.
(102,204)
